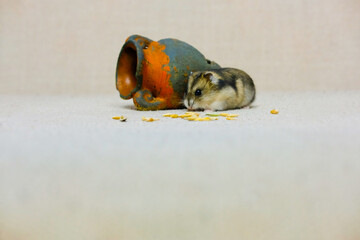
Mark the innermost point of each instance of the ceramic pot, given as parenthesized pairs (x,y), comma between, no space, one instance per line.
(154,73)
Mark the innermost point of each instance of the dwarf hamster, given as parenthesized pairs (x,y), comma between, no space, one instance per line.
(219,89)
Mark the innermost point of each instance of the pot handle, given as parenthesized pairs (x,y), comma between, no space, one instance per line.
(144,100)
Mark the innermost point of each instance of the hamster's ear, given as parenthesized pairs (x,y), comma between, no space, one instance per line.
(210,77)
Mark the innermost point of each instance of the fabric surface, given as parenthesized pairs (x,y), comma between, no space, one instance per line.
(69,171)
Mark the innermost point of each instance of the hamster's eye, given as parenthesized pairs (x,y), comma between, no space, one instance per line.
(197,92)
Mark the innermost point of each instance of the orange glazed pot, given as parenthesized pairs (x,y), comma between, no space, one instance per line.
(155,74)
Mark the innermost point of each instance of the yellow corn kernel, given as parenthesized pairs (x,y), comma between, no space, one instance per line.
(116,117)
(212,114)
(230,118)
(232,115)
(203,119)
(223,114)
(174,116)
(213,118)
(191,118)
(146,119)
(192,113)
(199,119)
(167,114)
(274,111)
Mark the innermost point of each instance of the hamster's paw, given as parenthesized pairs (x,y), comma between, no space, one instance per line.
(217,106)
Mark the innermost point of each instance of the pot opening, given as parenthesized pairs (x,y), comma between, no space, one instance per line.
(126,81)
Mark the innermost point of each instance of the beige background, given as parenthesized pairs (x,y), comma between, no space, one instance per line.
(71,46)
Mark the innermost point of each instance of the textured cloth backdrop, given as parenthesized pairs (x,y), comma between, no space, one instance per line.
(71,46)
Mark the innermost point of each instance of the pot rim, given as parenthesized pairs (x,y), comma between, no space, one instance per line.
(137,43)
